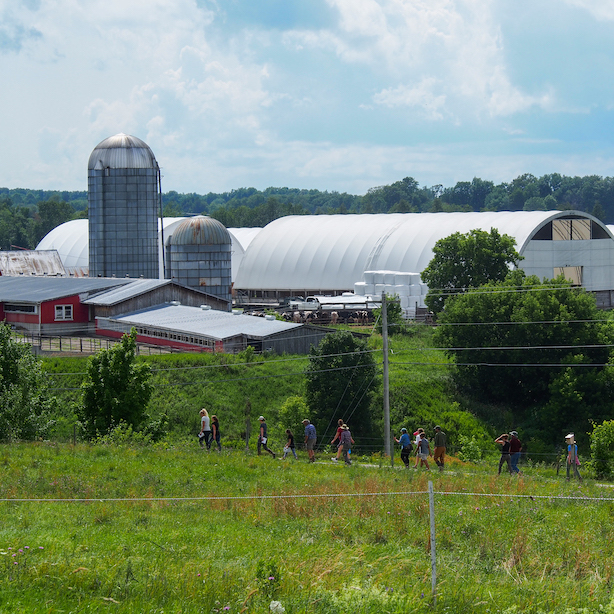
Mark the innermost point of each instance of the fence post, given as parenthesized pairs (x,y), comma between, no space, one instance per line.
(433,552)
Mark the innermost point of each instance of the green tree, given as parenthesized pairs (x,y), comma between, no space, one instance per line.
(115,389)
(463,261)
(530,344)
(291,413)
(25,406)
(602,449)
(50,213)
(394,316)
(340,381)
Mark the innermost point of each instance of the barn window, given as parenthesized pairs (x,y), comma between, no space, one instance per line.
(63,312)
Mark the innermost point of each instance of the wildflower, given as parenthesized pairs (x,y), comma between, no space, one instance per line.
(40,548)
(20,550)
(198,575)
(27,547)
(271,577)
(227,607)
(15,563)
(421,595)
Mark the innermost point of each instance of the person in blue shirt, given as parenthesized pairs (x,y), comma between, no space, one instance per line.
(406,446)
(310,440)
(572,456)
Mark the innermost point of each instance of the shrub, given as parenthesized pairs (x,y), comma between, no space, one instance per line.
(602,449)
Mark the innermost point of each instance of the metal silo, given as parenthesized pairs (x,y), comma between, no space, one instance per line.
(123,200)
(198,254)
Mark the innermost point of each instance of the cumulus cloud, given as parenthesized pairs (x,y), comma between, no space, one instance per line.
(447,58)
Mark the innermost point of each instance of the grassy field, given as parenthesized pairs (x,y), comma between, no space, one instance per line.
(168,528)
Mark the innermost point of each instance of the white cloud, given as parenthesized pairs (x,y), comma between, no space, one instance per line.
(601,9)
(422,96)
(446,57)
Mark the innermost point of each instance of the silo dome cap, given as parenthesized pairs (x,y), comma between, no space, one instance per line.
(200,230)
(122,151)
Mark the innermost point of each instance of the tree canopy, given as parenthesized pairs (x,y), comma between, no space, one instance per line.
(24,400)
(463,261)
(340,381)
(539,347)
(116,388)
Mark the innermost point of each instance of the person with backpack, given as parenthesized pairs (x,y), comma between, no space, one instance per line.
(406,447)
(504,440)
(346,443)
(424,450)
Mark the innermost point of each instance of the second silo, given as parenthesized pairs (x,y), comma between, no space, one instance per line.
(123,199)
(198,254)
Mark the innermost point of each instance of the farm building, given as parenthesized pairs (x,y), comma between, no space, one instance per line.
(31,262)
(192,328)
(69,305)
(329,254)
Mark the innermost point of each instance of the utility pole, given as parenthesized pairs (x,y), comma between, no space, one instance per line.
(387,439)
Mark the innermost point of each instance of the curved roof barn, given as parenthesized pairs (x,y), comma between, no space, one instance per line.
(329,253)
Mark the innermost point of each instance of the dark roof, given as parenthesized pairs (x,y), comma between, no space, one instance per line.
(41,289)
(115,296)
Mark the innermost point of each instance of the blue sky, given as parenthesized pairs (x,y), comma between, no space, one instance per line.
(329,94)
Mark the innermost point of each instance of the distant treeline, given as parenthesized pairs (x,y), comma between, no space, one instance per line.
(251,207)
(24,222)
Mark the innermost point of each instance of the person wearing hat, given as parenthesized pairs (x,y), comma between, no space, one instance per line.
(515,448)
(346,443)
(406,447)
(310,440)
(263,437)
(572,456)
(439,441)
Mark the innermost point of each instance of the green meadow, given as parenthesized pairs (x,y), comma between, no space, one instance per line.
(169,528)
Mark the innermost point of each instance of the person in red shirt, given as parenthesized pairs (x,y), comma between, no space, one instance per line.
(515,448)
(337,440)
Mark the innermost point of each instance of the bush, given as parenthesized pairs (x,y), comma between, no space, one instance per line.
(602,449)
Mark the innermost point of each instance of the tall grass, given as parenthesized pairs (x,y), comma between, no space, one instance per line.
(244,531)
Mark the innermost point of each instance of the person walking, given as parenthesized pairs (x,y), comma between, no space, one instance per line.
(215,432)
(310,440)
(515,448)
(423,451)
(346,443)
(572,456)
(204,437)
(263,437)
(440,447)
(290,446)
(406,447)
(337,440)
(417,444)
(504,441)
